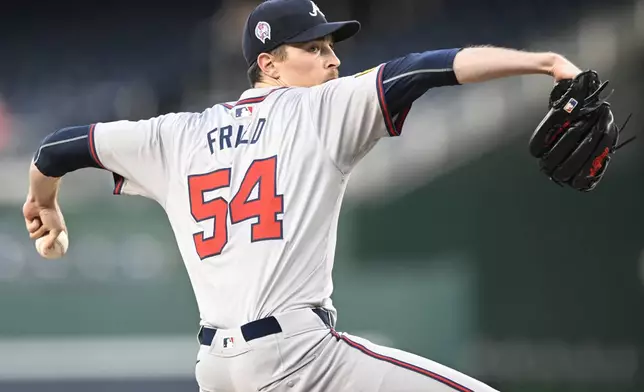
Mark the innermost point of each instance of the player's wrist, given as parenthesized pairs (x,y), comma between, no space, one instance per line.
(43,190)
(548,62)
(43,200)
(562,68)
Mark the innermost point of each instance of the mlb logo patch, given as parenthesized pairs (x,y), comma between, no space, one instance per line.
(571,105)
(243,112)
(229,342)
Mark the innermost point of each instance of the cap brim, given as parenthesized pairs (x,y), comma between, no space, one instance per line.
(340,31)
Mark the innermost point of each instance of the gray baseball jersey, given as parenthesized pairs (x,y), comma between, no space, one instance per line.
(252,189)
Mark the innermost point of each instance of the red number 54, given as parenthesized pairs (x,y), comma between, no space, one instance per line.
(261,173)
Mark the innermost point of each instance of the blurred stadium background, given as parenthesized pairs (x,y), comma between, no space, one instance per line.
(451,244)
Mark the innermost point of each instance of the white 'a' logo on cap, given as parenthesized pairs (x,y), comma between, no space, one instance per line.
(263,31)
(316,10)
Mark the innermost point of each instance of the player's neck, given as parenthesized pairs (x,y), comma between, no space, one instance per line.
(270,82)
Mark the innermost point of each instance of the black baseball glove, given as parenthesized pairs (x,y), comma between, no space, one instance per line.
(577,138)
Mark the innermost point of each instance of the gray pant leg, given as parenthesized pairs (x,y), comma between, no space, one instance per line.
(400,371)
(352,364)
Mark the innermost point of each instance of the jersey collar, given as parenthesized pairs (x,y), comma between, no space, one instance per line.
(252,96)
(258,92)
(256,95)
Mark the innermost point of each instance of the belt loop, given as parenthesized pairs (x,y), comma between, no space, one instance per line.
(324,315)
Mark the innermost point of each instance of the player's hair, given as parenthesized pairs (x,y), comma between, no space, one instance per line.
(255,73)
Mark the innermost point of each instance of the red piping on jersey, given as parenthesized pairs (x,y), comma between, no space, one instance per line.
(118,184)
(452,384)
(92,146)
(252,100)
(402,117)
(391,128)
(118,179)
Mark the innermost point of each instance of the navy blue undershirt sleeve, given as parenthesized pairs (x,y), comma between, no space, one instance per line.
(407,78)
(65,151)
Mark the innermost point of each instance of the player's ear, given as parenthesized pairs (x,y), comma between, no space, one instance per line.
(266,63)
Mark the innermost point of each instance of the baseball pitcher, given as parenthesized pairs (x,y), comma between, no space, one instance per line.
(253,189)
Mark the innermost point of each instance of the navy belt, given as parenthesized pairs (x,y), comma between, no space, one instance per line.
(258,328)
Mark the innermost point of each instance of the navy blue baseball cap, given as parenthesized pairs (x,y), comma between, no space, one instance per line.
(277,22)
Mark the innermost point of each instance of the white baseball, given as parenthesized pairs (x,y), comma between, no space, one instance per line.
(58,250)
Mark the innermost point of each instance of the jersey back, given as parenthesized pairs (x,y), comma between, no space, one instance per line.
(253,189)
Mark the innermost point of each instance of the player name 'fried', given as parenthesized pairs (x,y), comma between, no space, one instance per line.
(226,137)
